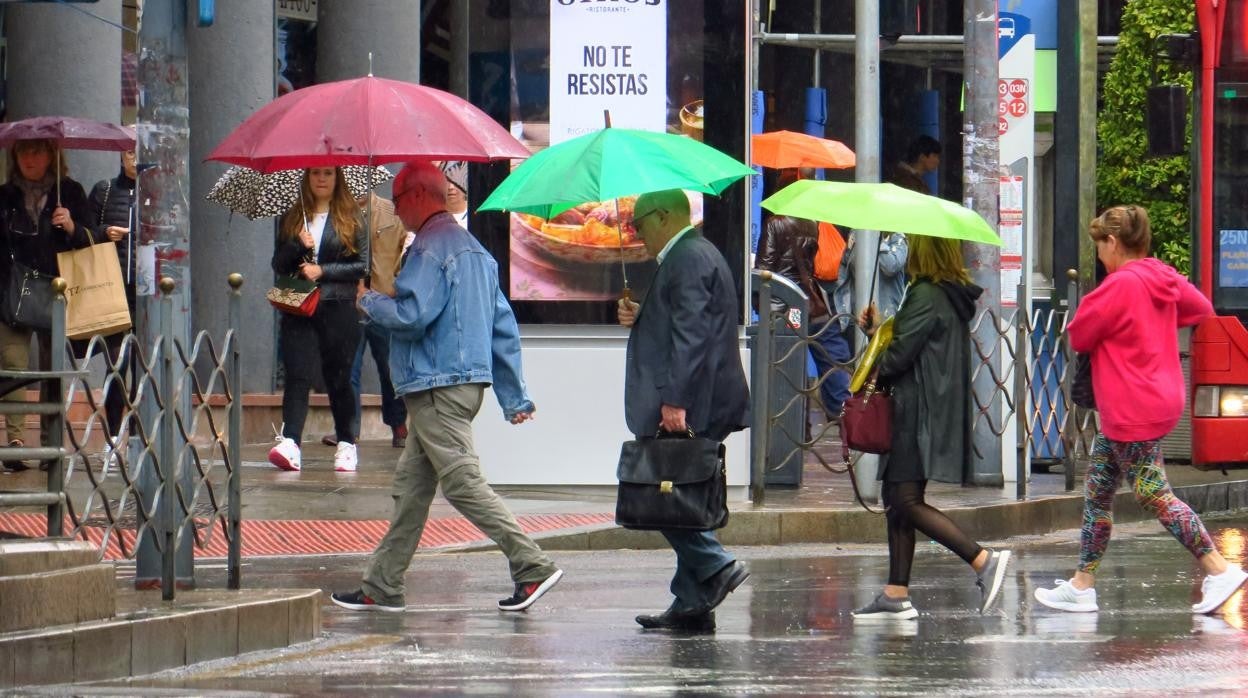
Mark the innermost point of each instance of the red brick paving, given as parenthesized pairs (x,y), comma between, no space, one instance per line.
(310,537)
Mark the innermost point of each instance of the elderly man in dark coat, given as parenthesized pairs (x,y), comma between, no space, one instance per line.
(684,372)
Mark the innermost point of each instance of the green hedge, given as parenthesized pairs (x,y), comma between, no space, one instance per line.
(1125,173)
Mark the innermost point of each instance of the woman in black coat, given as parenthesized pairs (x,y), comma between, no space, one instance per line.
(323,238)
(928,370)
(112,210)
(39,217)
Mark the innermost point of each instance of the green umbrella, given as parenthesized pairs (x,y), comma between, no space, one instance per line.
(888,207)
(611,163)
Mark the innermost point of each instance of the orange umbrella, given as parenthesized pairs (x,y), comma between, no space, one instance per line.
(785,149)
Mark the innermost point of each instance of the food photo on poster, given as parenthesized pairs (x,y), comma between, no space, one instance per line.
(640,63)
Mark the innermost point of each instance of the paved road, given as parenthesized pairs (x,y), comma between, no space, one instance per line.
(788,631)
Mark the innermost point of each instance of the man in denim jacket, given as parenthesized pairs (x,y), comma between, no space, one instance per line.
(453,334)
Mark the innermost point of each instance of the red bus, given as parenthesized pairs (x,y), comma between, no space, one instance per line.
(1219,352)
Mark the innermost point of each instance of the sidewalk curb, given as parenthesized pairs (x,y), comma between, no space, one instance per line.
(989,522)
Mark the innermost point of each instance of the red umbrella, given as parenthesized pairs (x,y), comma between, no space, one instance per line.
(68,132)
(365,121)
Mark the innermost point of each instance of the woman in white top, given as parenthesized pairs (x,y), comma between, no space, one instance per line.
(322,238)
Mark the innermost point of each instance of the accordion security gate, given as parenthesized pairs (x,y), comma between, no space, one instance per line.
(1035,363)
(173,479)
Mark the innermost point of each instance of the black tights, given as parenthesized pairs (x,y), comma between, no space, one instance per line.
(906,511)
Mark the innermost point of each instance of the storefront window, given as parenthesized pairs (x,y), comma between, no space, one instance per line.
(549,69)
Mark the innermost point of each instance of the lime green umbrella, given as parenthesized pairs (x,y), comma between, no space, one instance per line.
(611,163)
(881,207)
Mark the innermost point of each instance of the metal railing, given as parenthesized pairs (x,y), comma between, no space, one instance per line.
(168,476)
(1029,366)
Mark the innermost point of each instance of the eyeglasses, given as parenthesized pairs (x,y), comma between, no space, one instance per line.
(400,194)
(637,219)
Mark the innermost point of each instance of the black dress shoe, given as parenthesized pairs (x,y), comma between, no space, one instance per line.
(679,621)
(723,583)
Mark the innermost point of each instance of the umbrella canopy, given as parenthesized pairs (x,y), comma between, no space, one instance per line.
(69,132)
(255,195)
(881,207)
(784,149)
(365,121)
(611,163)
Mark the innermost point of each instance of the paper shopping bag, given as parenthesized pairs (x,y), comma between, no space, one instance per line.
(95,294)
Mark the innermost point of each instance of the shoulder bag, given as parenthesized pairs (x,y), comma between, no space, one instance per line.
(672,482)
(295,295)
(28,298)
(867,419)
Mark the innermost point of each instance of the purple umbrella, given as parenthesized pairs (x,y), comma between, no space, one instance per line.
(68,132)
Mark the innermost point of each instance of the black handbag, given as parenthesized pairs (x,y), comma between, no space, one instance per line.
(1081,392)
(672,483)
(28,298)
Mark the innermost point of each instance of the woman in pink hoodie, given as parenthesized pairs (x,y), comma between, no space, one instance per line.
(1128,328)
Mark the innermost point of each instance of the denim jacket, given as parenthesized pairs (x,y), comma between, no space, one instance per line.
(449,320)
(890,283)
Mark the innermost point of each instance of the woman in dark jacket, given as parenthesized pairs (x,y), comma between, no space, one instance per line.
(927,367)
(788,247)
(39,217)
(112,207)
(323,238)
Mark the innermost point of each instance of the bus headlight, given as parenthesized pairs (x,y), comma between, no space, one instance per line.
(1234,402)
(1220,401)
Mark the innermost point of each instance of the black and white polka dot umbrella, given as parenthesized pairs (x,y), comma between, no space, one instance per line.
(255,195)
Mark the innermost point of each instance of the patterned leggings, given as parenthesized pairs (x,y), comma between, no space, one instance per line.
(1142,463)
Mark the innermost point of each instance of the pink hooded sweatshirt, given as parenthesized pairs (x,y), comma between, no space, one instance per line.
(1128,326)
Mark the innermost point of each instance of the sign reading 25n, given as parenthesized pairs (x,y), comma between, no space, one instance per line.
(649,3)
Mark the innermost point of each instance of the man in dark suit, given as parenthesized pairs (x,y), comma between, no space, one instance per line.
(684,372)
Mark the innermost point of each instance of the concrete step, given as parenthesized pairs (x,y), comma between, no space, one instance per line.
(57,597)
(150,635)
(33,556)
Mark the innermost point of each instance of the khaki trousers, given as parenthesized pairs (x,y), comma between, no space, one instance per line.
(440,450)
(15,356)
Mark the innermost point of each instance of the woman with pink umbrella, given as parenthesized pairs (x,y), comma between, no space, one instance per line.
(40,215)
(323,239)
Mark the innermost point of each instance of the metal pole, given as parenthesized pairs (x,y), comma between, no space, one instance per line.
(1073,412)
(981,180)
(1022,397)
(53,390)
(168,513)
(163,132)
(867,150)
(235,359)
(762,358)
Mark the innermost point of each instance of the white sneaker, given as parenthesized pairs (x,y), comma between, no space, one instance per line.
(1065,597)
(285,455)
(1217,588)
(345,458)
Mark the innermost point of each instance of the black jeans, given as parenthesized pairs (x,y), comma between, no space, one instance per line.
(327,340)
(115,386)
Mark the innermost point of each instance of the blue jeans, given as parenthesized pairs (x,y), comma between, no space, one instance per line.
(393,411)
(699,555)
(830,353)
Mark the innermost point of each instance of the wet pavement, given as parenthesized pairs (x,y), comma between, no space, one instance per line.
(786,631)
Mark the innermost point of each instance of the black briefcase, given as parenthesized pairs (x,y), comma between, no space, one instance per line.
(673,483)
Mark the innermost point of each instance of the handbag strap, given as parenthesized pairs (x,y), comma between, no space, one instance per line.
(108,189)
(853,478)
(808,281)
